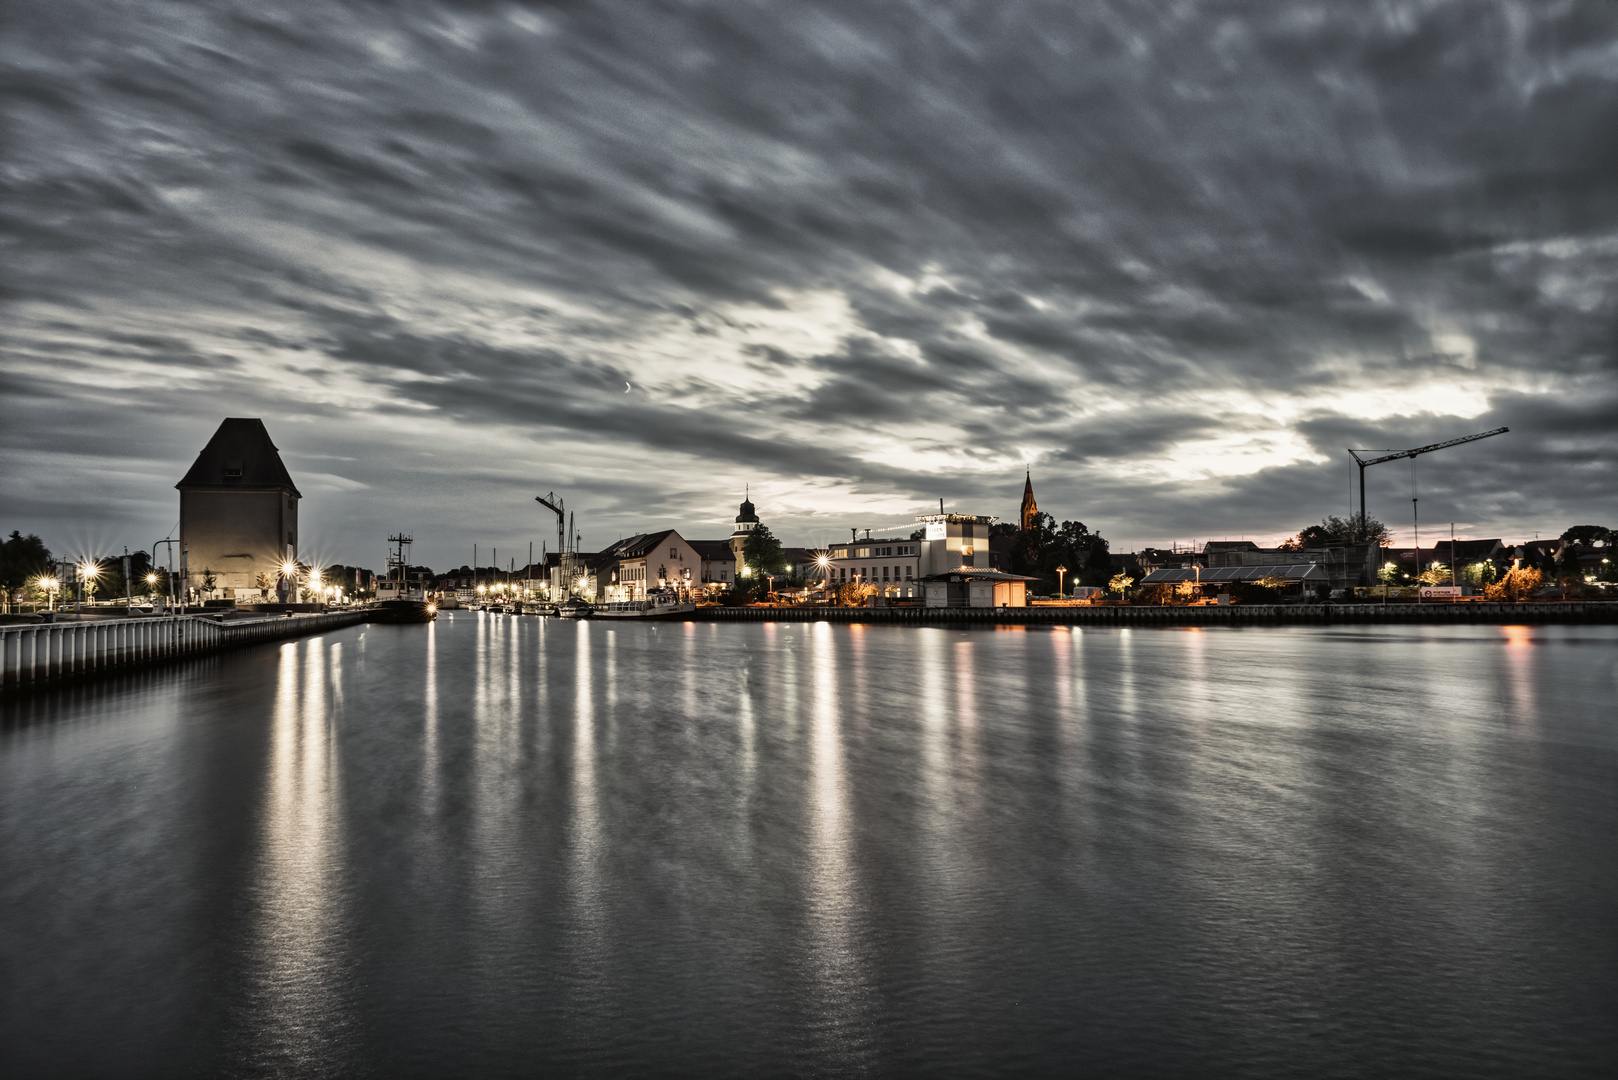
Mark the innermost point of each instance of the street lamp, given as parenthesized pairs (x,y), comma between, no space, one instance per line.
(88,572)
(49,584)
(1060,571)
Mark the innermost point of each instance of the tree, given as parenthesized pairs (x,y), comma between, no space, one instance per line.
(22,558)
(1569,571)
(1120,583)
(1518,584)
(1039,549)
(208,581)
(1478,574)
(1332,529)
(855,593)
(1582,535)
(762,553)
(1435,574)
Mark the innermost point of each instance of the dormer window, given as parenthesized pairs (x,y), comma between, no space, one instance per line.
(233,468)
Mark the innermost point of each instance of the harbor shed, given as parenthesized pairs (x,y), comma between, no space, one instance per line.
(1304,575)
(975,587)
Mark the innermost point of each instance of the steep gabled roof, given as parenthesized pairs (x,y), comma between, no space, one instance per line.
(714,550)
(640,545)
(240,455)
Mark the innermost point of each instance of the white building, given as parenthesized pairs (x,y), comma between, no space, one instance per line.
(896,566)
(651,561)
(891,564)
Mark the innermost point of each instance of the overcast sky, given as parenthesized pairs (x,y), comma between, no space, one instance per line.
(1174,258)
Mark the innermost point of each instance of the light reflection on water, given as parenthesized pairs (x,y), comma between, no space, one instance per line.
(297,971)
(497,845)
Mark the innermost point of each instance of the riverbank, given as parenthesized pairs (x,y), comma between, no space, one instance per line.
(1577,611)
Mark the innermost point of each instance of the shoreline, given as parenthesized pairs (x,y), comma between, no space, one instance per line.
(1571,611)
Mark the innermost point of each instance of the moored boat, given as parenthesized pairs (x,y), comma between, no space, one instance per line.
(659,603)
(398,599)
(405,610)
(574,609)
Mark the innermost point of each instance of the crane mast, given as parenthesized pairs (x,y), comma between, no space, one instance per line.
(1363,463)
(550,502)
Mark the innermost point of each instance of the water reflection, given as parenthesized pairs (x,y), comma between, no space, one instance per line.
(299,934)
(1519,670)
(587,921)
(831,893)
(429,701)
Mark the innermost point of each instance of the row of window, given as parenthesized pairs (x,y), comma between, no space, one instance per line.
(871,573)
(873,552)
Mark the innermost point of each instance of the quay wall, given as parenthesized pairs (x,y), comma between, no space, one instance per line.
(46,654)
(1229,615)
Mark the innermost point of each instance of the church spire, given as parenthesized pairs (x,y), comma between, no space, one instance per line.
(1029,506)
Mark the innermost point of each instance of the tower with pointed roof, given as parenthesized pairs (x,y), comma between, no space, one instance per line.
(238,512)
(746,522)
(1029,506)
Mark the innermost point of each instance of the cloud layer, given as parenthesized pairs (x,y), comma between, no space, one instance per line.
(1172,258)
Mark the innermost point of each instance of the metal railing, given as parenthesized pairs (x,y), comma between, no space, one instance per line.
(39,654)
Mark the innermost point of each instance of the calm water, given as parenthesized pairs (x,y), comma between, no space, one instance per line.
(513,846)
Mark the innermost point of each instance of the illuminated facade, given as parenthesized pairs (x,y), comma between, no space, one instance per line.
(238,513)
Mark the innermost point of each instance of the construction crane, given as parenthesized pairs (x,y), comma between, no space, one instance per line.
(1362,462)
(550,502)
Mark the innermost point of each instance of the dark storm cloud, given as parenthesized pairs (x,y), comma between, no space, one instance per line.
(877,250)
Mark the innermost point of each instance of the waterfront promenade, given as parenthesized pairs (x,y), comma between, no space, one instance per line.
(43,654)
(1577,611)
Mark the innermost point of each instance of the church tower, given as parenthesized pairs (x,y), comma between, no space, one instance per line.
(746,522)
(1029,506)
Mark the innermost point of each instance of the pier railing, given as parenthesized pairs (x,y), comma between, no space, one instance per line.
(40,654)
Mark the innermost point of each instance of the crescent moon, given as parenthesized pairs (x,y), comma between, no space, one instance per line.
(626,388)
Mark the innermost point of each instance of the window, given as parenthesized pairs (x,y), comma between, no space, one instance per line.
(907,573)
(233,468)
(884,573)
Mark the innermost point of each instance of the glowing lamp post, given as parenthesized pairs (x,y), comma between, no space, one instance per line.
(1060,572)
(88,572)
(50,585)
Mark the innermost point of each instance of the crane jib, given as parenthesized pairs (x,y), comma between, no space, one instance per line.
(1402,454)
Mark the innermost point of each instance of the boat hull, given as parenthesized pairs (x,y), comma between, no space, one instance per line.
(404,611)
(643,610)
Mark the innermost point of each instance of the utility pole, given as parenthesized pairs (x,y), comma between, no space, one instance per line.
(1415,528)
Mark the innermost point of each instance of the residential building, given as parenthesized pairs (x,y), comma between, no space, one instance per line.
(238,513)
(654,560)
(718,563)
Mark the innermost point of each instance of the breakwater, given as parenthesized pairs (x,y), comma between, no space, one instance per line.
(45,654)
(1227,615)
